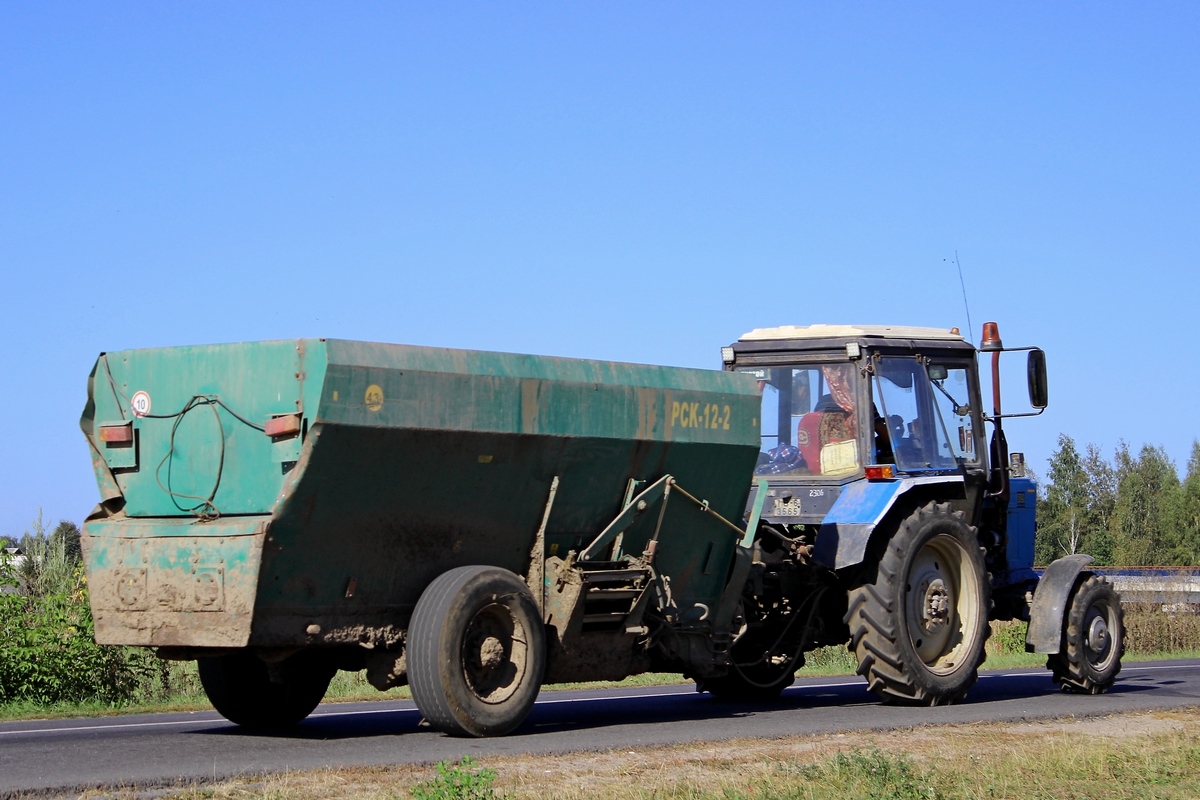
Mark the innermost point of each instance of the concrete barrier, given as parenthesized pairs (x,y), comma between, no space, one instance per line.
(1176,589)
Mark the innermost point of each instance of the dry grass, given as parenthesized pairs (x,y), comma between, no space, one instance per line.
(1153,755)
(1148,630)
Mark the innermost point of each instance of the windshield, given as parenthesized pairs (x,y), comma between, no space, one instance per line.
(809,420)
(923,417)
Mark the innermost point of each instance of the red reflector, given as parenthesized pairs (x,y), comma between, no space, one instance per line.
(880,472)
(285,425)
(114,434)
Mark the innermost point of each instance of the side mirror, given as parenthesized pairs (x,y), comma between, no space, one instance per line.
(1039,391)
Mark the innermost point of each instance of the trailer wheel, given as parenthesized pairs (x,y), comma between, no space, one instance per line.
(919,628)
(247,691)
(1093,638)
(476,652)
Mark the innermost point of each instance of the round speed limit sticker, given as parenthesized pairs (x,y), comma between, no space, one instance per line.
(140,403)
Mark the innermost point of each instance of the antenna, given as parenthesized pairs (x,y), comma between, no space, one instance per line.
(970,325)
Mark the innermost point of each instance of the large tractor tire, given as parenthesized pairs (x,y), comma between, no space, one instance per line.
(247,691)
(918,629)
(476,652)
(1093,638)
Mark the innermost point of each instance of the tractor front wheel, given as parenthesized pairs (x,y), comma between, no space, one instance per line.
(1093,638)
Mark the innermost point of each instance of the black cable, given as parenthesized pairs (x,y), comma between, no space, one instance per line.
(205,508)
(209,399)
(815,599)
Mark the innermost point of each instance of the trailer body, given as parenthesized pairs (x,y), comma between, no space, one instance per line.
(389,466)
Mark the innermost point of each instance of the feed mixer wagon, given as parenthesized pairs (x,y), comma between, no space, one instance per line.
(470,523)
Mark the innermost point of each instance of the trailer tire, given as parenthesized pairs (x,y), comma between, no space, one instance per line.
(918,629)
(241,689)
(476,652)
(1093,638)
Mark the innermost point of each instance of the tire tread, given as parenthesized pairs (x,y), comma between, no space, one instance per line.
(876,633)
(1069,668)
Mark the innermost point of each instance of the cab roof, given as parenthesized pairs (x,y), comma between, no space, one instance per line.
(822,331)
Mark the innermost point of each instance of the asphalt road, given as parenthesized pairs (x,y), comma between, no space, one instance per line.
(165,749)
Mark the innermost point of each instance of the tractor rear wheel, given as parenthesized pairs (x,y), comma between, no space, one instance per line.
(918,628)
(476,652)
(247,691)
(1093,638)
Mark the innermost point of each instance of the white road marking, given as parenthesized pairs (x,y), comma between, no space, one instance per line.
(365,712)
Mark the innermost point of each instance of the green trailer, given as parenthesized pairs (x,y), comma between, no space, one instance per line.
(470,523)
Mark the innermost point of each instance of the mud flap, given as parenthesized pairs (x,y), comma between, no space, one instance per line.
(1050,604)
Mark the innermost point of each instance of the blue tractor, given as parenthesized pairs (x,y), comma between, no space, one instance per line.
(884,519)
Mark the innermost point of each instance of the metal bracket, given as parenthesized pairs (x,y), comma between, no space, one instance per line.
(536,579)
(632,512)
(760,500)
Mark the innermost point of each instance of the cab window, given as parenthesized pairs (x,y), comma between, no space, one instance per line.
(809,420)
(923,413)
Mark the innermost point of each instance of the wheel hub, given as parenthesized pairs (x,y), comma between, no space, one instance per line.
(1097,635)
(494,654)
(941,602)
(491,653)
(936,607)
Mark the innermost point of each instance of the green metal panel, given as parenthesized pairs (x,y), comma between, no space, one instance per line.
(416,460)
(183,452)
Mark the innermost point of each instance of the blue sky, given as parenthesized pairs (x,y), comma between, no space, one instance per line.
(638,182)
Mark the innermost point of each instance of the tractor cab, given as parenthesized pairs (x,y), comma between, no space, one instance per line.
(844,403)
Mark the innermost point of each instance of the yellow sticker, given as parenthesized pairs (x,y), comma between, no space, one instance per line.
(374,397)
(485,459)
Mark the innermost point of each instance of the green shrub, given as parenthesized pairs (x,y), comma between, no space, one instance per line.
(1008,638)
(48,654)
(832,659)
(1149,630)
(457,782)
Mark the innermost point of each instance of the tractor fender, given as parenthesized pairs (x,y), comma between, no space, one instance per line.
(846,530)
(1050,601)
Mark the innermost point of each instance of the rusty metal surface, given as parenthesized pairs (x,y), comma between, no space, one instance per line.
(173,583)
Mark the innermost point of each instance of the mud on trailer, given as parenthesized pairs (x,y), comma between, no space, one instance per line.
(477,524)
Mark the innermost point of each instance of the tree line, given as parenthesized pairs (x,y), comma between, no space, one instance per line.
(1131,511)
